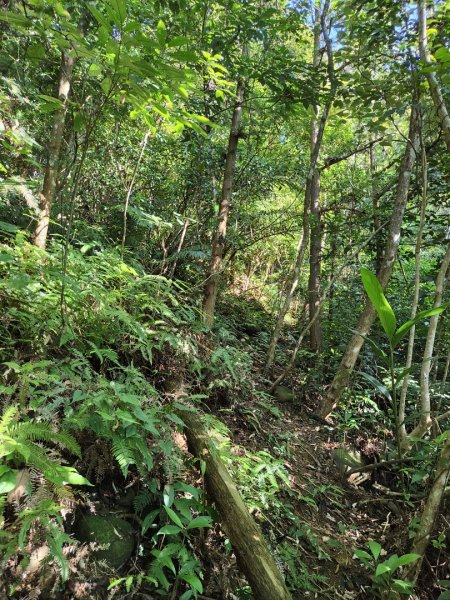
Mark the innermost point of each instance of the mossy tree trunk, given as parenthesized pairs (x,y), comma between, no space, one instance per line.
(252,553)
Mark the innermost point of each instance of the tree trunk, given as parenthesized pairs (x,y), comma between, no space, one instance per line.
(435,88)
(47,195)
(218,242)
(252,553)
(376,209)
(415,301)
(425,403)
(292,286)
(315,334)
(342,377)
(311,190)
(430,512)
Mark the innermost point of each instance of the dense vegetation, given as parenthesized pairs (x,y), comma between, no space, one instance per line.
(224,263)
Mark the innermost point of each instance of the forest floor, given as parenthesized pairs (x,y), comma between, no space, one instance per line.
(338,514)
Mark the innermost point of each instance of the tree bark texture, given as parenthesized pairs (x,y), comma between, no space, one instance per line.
(218,242)
(47,196)
(415,300)
(315,333)
(430,512)
(348,361)
(375,208)
(252,553)
(433,82)
(425,420)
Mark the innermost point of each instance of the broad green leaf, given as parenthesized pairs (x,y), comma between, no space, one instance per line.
(375,548)
(375,347)
(402,587)
(382,569)
(362,554)
(376,296)
(201,521)
(193,581)
(173,516)
(407,559)
(149,520)
(71,475)
(169,530)
(424,314)
(382,389)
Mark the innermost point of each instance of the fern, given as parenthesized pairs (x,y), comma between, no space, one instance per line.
(143,499)
(41,432)
(123,453)
(8,418)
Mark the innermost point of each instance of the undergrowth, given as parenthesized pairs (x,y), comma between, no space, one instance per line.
(89,354)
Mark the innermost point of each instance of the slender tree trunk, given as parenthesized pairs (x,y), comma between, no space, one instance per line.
(342,377)
(425,402)
(311,190)
(433,82)
(292,286)
(315,333)
(180,246)
(415,301)
(218,243)
(130,191)
(430,512)
(47,196)
(375,208)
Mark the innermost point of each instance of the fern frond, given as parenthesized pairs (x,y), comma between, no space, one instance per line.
(8,417)
(122,453)
(143,499)
(41,432)
(39,459)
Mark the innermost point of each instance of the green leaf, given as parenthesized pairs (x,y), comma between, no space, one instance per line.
(149,520)
(382,569)
(71,475)
(375,548)
(7,481)
(382,389)
(403,374)
(407,559)
(193,581)
(173,516)
(201,521)
(129,583)
(169,530)
(161,32)
(375,347)
(424,314)
(376,296)
(402,587)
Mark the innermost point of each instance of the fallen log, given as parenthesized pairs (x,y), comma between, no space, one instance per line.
(252,553)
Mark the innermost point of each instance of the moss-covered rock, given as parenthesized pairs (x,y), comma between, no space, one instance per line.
(283,394)
(116,534)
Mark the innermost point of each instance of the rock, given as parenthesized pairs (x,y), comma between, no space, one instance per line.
(116,533)
(283,394)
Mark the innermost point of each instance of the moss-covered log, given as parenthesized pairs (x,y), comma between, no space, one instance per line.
(252,553)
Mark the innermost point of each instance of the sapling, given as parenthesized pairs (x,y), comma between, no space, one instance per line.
(394,336)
